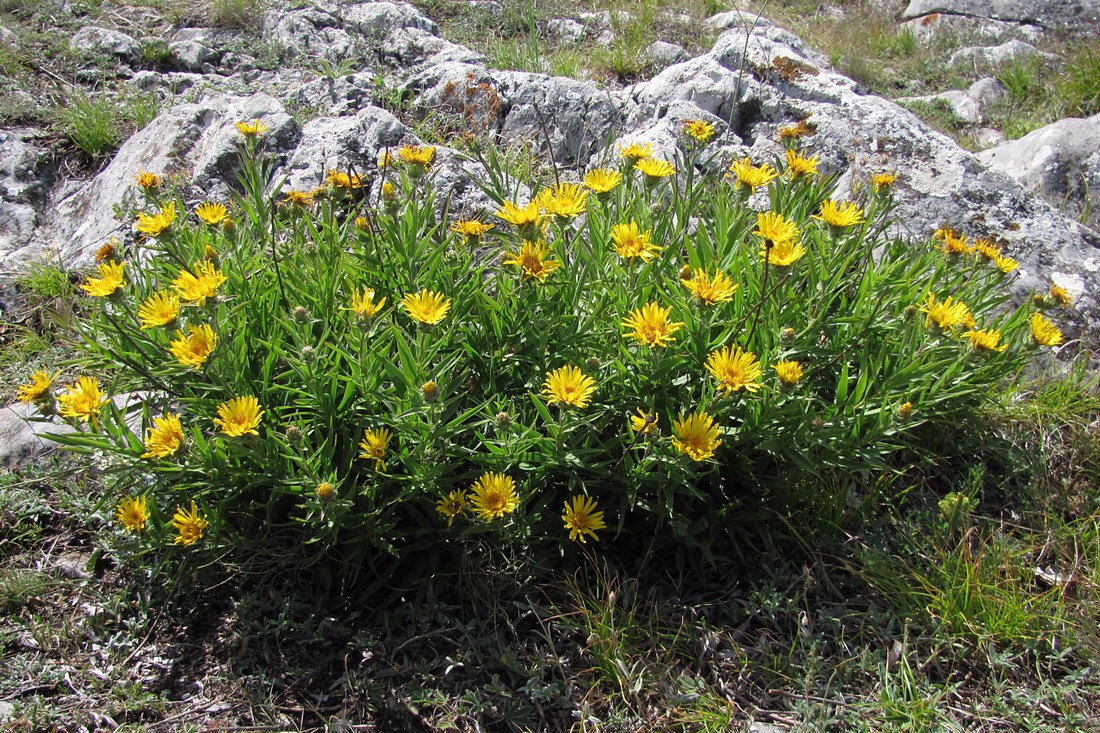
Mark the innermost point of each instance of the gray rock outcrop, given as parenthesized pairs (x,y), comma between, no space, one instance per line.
(1081,17)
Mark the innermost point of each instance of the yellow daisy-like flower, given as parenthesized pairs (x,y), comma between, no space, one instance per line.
(532,261)
(325,491)
(654,169)
(946,314)
(189,524)
(650,325)
(211,213)
(203,284)
(986,249)
(452,505)
(153,225)
(800,129)
(239,417)
(988,340)
(147,180)
(340,179)
(840,214)
(783,254)
(799,165)
(701,130)
(427,307)
(252,128)
(710,290)
(471,228)
(696,435)
(132,513)
(83,399)
(364,305)
(563,200)
(789,372)
(38,389)
(735,369)
(750,176)
(772,226)
(430,391)
(389,191)
(107,251)
(644,423)
(110,279)
(581,518)
(298,198)
(194,349)
(1005,264)
(905,410)
(374,445)
(636,151)
(526,219)
(569,386)
(885,179)
(602,180)
(386,158)
(494,496)
(953,244)
(159,309)
(631,243)
(418,155)
(164,438)
(1061,296)
(1043,331)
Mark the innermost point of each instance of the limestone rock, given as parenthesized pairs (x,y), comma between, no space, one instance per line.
(345,143)
(377,20)
(190,55)
(23,186)
(412,47)
(21,440)
(1061,161)
(564,30)
(95,40)
(994,56)
(659,55)
(1066,15)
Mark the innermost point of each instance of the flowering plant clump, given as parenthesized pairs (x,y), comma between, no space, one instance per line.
(375,391)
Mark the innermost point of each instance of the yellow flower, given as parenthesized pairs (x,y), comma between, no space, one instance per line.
(471,228)
(189,524)
(427,306)
(494,496)
(240,416)
(602,180)
(196,288)
(325,491)
(987,249)
(147,181)
(38,389)
(389,191)
(774,227)
(83,399)
(364,306)
(386,159)
(953,244)
(581,518)
(159,309)
(654,169)
(374,446)
(532,262)
(746,174)
(905,410)
(194,349)
(1060,295)
(650,325)
(563,200)
(452,505)
(1005,264)
(644,423)
(107,251)
(339,179)
(799,165)
(569,386)
(526,219)
(883,180)
(840,214)
(1043,331)
(789,372)
(155,224)
(946,314)
(784,253)
(988,340)
(211,213)
(802,128)
(418,155)
(252,128)
(734,369)
(430,391)
(701,130)
(636,151)
(298,198)
(164,438)
(132,513)
(631,243)
(696,435)
(109,280)
(710,290)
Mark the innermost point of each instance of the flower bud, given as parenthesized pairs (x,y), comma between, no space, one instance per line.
(308,354)
(817,423)
(787,334)
(430,390)
(301,315)
(325,491)
(293,434)
(503,419)
(593,363)
(685,272)
(905,410)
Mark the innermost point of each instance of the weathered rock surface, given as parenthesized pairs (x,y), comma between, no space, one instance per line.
(994,56)
(1061,161)
(23,188)
(94,40)
(1081,16)
(21,440)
